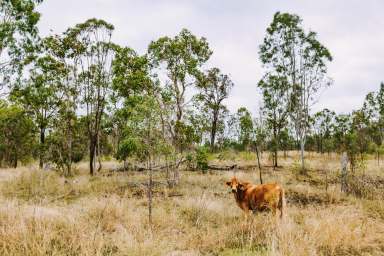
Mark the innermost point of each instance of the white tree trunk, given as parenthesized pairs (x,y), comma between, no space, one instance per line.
(302,144)
(344,172)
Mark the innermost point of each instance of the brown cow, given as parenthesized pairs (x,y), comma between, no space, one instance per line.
(250,197)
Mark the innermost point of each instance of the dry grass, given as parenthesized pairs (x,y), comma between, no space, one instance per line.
(44,214)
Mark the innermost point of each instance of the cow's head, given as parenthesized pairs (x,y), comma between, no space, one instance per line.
(235,185)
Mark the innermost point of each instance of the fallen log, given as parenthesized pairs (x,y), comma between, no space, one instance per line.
(175,195)
(222,167)
(232,167)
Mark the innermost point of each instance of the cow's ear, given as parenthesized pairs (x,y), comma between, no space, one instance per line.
(228,183)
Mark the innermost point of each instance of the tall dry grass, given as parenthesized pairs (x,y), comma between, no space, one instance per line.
(42,213)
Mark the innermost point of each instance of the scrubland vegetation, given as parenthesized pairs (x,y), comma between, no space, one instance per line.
(105,151)
(45,213)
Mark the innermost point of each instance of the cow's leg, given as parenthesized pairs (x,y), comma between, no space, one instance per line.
(246,212)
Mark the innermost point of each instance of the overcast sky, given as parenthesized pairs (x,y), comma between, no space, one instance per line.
(353,30)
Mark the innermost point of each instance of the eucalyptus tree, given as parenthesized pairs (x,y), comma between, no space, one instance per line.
(140,113)
(40,96)
(322,123)
(130,78)
(275,91)
(180,58)
(18,32)
(246,127)
(52,88)
(260,137)
(231,131)
(199,118)
(214,88)
(361,126)
(16,134)
(343,125)
(62,154)
(96,51)
(297,56)
(65,52)
(346,135)
(146,141)
(373,108)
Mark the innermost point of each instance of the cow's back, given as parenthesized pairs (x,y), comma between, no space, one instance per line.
(261,197)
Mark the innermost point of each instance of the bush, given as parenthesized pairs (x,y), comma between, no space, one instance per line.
(202,159)
(190,158)
(364,186)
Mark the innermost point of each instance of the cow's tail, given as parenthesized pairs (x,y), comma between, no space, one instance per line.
(281,204)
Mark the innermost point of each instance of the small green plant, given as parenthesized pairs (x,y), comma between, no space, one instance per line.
(191,163)
(202,159)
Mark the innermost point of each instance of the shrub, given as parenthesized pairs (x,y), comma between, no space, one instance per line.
(364,186)
(190,158)
(202,159)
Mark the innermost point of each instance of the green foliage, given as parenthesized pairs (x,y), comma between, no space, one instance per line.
(94,54)
(16,134)
(127,148)
(202,158)
(130,72)
(322,124)
(40,95)
(88,95)
(213,89)
(190,158)
(246,127)
(198,159)
(181,56)
(296,60)
(60,152)
(18,33)
(186,135)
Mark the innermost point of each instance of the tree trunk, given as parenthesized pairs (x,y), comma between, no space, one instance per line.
(258,164)
(213,133)
(42,145)
(275,147)
(92,151)
(275,162)
(69,146)
(15,160)
(378,158)
(344,172)
(168,176)
(98,153)
(302,144)
(150,185)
